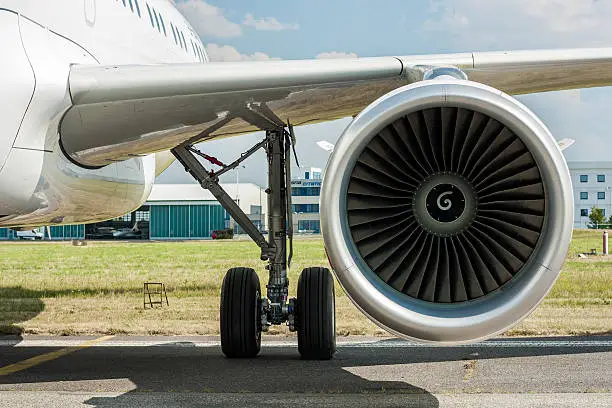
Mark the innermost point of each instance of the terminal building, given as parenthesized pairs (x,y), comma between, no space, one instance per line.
(187,211)
(592,183)
(305,196)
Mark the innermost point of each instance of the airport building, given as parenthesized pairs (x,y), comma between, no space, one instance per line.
(58,233)
(187,211)
(592,182)
(172,212)
(305,196)
(184,211)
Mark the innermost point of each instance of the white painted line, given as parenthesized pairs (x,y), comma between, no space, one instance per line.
(492,344)
(392,343)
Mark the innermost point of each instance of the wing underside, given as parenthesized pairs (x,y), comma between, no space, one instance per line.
(120,112)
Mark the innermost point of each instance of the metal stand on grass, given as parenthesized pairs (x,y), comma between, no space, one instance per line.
(154,289)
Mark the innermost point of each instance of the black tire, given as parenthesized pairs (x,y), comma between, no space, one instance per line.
(316,320)
(240,313)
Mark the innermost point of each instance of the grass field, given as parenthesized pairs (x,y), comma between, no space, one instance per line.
(57,288)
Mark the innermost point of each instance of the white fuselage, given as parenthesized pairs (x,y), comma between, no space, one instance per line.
(40,41)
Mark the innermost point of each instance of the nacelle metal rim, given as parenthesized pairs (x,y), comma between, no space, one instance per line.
(442,323)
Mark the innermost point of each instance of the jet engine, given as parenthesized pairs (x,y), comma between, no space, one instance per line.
(447,211)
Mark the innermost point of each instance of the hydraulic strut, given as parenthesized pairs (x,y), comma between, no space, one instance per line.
(278,285)
(276,308)
(210,182)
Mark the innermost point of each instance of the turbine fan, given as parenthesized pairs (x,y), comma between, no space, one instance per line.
(446,211)
(446,204)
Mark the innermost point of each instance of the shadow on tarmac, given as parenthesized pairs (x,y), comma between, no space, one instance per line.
(184,368)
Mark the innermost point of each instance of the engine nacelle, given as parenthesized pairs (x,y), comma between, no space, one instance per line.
(447,211)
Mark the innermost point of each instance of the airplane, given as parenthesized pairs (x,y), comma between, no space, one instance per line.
(446,205)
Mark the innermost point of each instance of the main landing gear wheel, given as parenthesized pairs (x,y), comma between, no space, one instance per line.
(240,313)
(316,320)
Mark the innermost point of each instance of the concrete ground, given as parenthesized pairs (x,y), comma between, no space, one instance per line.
(367,372)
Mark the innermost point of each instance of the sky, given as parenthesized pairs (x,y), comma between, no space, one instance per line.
(238,30)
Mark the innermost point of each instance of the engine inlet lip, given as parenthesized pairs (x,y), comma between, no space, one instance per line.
(470,321)
(425,211)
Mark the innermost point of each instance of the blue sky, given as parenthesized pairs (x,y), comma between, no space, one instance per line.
(291,29)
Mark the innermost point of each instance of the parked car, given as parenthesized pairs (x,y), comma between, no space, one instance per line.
(223,234)
(30,234)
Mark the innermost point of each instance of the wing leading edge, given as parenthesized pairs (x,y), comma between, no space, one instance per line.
(120,112)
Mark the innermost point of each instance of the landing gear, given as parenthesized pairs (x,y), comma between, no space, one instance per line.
(240,313)
(316,319)
(244,313)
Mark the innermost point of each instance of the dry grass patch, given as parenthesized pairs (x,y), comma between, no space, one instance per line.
(55,288)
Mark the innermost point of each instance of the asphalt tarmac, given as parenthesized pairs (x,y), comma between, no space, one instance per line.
(114,372)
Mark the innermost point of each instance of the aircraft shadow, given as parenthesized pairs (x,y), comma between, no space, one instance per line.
(185,368)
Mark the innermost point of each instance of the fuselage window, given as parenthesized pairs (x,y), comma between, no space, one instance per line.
(150,15)
(173,33)
(184,42)
(195,51)
(137,8)
(178,34)
(156,20)
(163,25)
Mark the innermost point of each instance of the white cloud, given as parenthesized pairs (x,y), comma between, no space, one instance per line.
(569,15)
(579,115)
(336,55)
(227,53)
(448,19)
(486,24)
(208,20)
(268,24)
(470,25)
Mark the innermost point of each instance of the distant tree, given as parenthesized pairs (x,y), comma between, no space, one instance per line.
(610,220)
(597,216)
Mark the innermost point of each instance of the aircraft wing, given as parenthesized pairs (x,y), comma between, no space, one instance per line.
(119,112)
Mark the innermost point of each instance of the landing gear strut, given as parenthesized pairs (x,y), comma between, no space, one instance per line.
(244,313)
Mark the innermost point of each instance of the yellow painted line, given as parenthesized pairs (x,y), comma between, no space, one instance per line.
(54,355)
(469,370)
